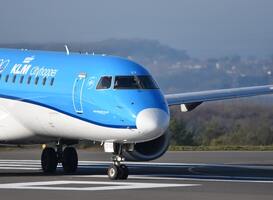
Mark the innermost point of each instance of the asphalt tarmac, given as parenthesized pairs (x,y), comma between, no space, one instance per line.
(176,175)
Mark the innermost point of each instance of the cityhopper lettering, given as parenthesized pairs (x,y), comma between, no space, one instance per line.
(26,67)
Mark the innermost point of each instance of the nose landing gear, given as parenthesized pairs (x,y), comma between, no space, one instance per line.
(118,171)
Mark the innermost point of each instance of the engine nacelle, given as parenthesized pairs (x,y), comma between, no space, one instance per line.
(150,150)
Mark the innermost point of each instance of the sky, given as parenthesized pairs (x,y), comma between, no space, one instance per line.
(205,28)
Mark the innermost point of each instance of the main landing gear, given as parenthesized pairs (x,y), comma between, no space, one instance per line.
(68,157)
(118,171)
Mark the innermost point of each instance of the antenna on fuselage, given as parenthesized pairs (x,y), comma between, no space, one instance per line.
(67,50)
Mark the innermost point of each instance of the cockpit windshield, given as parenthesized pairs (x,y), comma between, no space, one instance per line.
(135,82)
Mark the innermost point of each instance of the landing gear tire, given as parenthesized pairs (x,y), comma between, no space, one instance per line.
(118,172)
(70,160)
(113,172)
(124,172)
(49,160)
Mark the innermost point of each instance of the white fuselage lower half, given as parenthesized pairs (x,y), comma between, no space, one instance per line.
(24,123)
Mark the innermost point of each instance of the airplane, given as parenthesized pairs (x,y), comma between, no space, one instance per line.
(63,98)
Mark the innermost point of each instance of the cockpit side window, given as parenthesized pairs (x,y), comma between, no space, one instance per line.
(135,82)
(105,82)
(126,82)
(147,82)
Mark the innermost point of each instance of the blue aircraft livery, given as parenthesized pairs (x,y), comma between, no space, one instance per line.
(64,98)
(42,79)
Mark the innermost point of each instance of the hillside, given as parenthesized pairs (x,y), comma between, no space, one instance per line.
(174,69)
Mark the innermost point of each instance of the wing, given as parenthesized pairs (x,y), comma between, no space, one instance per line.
(191,100)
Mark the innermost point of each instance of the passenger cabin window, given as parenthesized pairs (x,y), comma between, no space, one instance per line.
(135,82)
(36,80)
(52,81)
(21,79)
(104,83)
(7,78)
(14,79)
(28,80)
(44,80)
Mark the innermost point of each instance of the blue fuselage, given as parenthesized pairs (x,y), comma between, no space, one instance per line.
(68,84)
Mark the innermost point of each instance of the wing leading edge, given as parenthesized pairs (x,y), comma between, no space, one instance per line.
(190,100)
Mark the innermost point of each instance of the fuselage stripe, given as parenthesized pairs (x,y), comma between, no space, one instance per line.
(65,113)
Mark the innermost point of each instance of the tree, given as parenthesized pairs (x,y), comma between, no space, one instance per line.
(180,134)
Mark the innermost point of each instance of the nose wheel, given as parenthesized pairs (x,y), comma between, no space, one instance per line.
(118,171)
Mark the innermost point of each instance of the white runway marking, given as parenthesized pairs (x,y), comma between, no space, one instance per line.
(153,164)
(35,165)
(53,185)
(20,164)
(205,179)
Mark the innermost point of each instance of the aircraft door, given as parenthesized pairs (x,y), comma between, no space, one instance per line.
(77,93)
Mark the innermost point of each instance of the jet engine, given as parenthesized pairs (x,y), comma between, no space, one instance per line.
(150,150)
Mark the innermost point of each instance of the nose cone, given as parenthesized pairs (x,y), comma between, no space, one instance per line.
(152,122)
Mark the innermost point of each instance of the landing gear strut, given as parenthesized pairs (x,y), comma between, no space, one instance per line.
(68,157)
(118,171)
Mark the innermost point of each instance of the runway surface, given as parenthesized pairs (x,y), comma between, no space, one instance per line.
(177,175)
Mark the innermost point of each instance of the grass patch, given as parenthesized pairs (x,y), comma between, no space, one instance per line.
(221,148)
(171,148)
